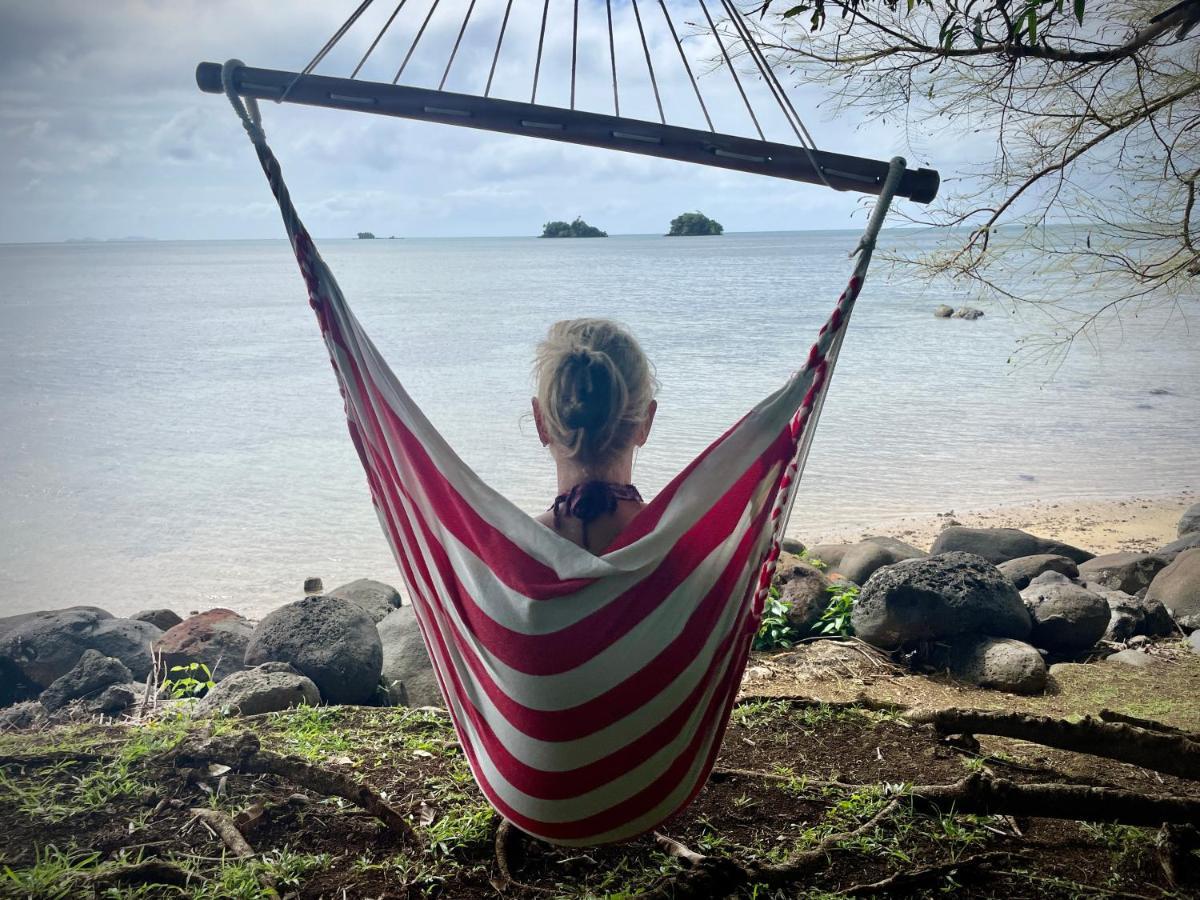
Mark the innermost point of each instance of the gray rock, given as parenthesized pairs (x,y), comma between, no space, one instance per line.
(968,312)
(407,672)
(1130,616)
(1000,663)
(1193,641)
(943,311)
(115,699)
(254,691)
(47,645)
(804,588)
(217,638)
(1177,587)
(1067,618)
(864,559)
(998,545)
(374,597)
(333,642)
(789,545)
(936,597)
(1128,572)
(22,715)
(162,619)
(1168,553)
(91,675)
(1135,658)
(1024,569)
(1189,522)
(830,554)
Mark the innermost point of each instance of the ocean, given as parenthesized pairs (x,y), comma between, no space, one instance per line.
(173,434)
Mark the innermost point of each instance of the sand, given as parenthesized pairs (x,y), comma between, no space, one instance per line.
(1101,526)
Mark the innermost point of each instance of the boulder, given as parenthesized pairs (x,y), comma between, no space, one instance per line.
(1135,658)
(804,588)
(1024,569)
(830,554)
(1127,571)
(407,672)
(217,638)
(864,559)
(998,545)
(943,311)
(1177,587)
(162,619)
(1130,616)
(115,699)
(1067,618)
(47,645)
(1193,641)
(1189,522)
(26,714)
(254,691)
(787,545)
(332,641)
(374,597)
(92,674)
(968,312)
(1000,663)
(1168,553)
(936,597)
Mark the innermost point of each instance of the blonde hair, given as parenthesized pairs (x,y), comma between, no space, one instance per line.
(594,387)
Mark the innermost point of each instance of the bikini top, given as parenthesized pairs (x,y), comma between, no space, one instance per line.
(589,500)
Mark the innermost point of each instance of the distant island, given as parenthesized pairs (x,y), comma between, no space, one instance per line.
(694,223)
(576,229)
(366,236)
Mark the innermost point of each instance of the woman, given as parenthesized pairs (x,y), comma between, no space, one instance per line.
(594,407)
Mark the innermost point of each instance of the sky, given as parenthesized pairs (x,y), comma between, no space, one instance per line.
(104,134)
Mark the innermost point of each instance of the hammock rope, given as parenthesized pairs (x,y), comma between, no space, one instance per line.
(590,693)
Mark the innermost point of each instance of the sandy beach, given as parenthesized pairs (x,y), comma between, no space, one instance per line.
(1140,523)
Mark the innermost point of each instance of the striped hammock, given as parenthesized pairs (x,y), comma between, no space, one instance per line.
(590,692)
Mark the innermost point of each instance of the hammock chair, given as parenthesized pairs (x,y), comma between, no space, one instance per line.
(590,691)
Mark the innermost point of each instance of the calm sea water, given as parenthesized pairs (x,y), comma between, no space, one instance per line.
(173,436)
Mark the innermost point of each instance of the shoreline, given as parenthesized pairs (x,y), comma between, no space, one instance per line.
(1140,522)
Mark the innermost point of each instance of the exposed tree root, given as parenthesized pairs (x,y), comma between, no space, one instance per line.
(1110,715)
(225,829)
(510,846)
(970,868)
(793,701)
(152,871)
(243,753)
(1173,754)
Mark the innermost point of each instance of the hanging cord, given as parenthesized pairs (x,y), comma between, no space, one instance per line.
(686,65)
(612,54)
(649,65)
(537,66)
(416,40)
(574,49)
(378,38)
(245,107)
(324,51)
(499,41)
(457,41)
(732,71)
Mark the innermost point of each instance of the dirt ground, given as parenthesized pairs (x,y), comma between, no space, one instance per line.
(81,805)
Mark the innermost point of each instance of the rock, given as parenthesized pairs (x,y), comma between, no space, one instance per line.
(998,545)
(1024,569)
(254,691)
(1067,618)
(407,672)
(14,686)
(943,311)
(374,597)
(162,619)
(803,587)
(1177,587)
(936,597)
(115,699)
(864,559)
(1130,616)
(1189,522)
(47,645)
(830,554)
(1128,572)
(334,642)
(1135,658)
(26,714)
(1168,553)
(968,312)
(91,675)
(1000,663)
(791,545)
(1193,641)
(217,638)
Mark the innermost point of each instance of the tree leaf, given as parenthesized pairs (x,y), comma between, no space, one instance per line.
(1079,6)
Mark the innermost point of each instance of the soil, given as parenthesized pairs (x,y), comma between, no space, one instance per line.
(80,803)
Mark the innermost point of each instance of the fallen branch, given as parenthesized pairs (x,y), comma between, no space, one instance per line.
(225,829)
(1172,754)
(243,753)
(905,882)
(1111,715)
